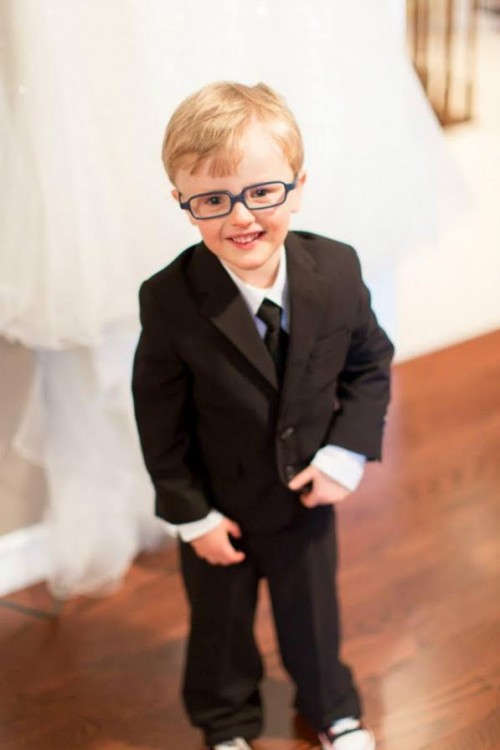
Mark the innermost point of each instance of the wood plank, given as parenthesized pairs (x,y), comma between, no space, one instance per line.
(419,583)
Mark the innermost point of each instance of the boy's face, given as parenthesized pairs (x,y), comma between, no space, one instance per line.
(247,241)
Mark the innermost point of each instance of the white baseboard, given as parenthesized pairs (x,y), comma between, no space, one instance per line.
(24,558)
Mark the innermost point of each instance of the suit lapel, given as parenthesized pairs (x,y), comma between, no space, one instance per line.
(220,301)
(307,294)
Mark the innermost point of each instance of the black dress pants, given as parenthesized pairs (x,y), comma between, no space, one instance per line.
(223,666)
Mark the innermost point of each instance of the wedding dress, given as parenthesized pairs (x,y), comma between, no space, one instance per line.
(85,211)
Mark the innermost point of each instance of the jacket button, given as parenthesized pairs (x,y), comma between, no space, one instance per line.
(287,433)
(290,472)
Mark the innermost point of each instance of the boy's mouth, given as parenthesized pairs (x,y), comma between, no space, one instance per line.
(245,239)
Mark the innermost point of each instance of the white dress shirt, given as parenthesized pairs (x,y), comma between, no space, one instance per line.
(344,466)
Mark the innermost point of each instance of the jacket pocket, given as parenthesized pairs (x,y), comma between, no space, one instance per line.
(333,346)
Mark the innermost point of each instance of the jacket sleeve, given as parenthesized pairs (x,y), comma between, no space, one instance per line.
(364,383)
(165,418)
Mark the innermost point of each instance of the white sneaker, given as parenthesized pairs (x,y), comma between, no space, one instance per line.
(238,743)
(347,734)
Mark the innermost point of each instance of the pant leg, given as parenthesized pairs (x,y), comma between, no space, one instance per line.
(223,666)
(300,564)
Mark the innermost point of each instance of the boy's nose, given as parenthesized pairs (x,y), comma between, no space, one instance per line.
(241,215)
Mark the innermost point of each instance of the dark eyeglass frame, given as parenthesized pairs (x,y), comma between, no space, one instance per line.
(239,198)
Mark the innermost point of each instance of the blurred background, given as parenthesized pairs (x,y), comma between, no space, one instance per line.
(399,104)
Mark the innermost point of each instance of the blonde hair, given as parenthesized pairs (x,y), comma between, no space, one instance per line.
(210,124)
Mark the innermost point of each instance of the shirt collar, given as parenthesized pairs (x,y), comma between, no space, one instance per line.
(254,296)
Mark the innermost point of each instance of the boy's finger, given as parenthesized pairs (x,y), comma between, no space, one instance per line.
(302,478)
(233,557)
(309,500)
(233,529)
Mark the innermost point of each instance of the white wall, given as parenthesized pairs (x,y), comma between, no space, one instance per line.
(450,290)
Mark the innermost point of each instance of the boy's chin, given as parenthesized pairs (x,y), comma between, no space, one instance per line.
(259,251)
(255,268)
(253,261)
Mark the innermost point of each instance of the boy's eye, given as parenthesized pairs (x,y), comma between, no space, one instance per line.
(209,204)
(259,192)
(213,200)
(265,194)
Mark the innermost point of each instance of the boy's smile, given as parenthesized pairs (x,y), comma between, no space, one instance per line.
(247,241)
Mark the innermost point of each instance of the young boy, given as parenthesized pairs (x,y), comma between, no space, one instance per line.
(261,383)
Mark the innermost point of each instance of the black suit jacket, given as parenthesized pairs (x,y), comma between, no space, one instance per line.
(216,430)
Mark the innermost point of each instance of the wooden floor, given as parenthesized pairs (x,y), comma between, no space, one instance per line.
(420,587)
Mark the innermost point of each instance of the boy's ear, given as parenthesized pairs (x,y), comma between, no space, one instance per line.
(297,193)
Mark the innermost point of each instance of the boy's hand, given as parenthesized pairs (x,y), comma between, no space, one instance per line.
(321,491)
(215,546)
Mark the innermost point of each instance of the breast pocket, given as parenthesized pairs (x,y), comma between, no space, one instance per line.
(328,356)
(333,345)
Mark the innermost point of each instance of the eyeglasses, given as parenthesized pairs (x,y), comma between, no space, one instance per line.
(254,197)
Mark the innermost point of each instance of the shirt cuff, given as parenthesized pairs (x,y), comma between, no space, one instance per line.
(345,467)
(190,531)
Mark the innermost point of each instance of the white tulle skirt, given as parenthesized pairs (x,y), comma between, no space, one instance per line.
(78,424)
(85,210)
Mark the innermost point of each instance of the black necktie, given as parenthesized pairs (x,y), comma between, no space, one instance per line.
(275,338)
